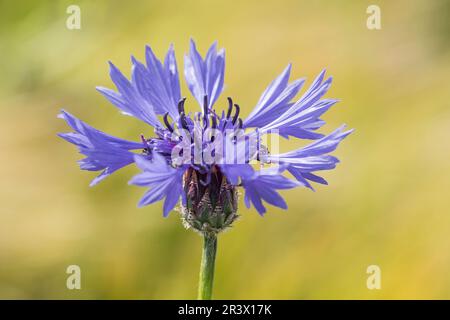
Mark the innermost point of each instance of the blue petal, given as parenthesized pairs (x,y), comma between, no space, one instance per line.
(102,151)
(262,185)
(251,196)
(171,70)
(322,146)
(272,197)
(159,84)
(304,112)
(299,119)
(154,89)
(314,178)
(313,157)
(161,178)
(234,172)
(299,133)
(274,101)
(205,77)
(128,99)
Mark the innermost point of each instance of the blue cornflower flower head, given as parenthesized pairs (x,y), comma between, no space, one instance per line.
(200,159)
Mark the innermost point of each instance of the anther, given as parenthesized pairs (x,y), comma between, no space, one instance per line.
(240,123)
(181,105)
(236,115)
(183,120)
(214,121)
(145,142)
(166,122)
(230,107)
(205,111)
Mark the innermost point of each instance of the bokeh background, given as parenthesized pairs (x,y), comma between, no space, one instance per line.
(387,203)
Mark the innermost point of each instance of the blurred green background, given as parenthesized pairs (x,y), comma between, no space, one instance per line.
(387,202)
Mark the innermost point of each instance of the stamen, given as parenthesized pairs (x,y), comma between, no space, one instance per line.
(181,105)
(240,123)
(166,122)
(236,115)
(183,120)
(205,111)
(258,144)
(214,121)
(145,142)
(230,107)
(213,125)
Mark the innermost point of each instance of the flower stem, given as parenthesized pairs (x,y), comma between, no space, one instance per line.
(205,283)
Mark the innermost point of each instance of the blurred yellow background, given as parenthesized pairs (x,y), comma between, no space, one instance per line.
(387,203)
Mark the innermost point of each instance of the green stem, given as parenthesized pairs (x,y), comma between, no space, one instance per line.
(207,266)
